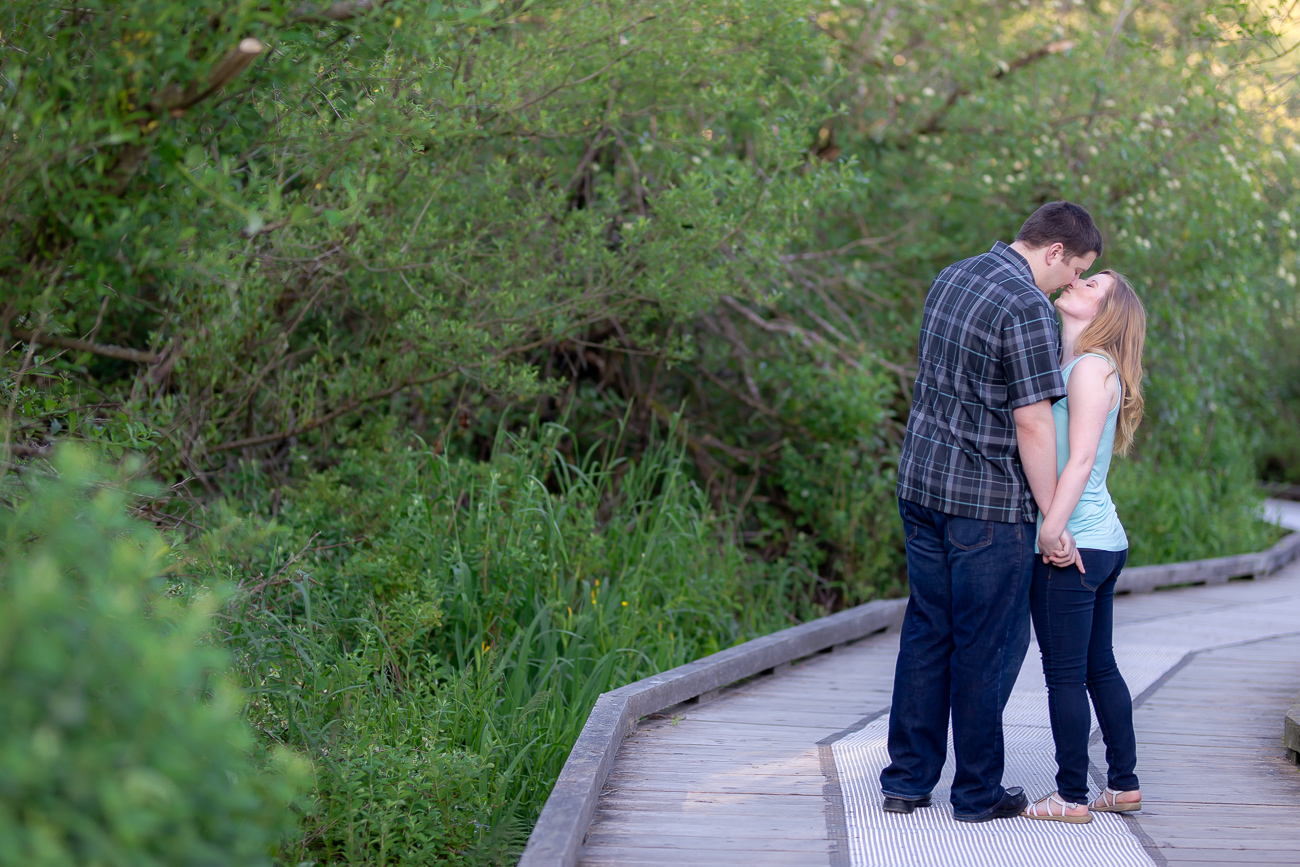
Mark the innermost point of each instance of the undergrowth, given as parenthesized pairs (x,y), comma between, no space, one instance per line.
(432,632)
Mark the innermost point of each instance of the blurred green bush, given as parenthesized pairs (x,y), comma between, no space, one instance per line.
(120,740)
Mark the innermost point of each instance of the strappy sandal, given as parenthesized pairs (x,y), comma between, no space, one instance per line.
(1039,811)
(1108,802)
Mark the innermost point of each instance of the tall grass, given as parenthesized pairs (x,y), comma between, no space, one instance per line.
(1172,514)
(432,632)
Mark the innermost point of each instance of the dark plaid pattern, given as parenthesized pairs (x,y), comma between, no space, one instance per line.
(989,344)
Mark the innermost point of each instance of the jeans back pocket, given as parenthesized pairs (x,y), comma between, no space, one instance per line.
(969,534)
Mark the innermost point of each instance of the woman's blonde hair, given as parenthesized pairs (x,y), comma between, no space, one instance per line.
(1119,331)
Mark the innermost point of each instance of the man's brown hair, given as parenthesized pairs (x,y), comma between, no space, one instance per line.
(1062,223)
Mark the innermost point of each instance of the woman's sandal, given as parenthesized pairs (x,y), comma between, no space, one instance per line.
(1108,802)
(1043,810)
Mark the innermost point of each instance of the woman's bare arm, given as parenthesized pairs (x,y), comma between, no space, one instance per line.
(1092,390)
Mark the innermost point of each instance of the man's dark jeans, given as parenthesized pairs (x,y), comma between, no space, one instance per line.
(1074,616)
(964,637)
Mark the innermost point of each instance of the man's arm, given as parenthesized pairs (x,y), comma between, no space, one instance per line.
(1031,350)
(1036,438)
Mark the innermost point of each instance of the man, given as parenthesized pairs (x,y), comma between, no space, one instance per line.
(978,461)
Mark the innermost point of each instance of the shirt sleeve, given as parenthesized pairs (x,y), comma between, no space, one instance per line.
(1031,356)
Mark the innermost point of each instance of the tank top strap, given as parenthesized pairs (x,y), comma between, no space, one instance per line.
(1065,372)
(1065,375)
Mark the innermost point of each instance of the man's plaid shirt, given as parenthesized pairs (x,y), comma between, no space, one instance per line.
(989,344)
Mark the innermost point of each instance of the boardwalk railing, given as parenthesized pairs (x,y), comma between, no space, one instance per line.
(1291,731)
(562,826)
(1219,570)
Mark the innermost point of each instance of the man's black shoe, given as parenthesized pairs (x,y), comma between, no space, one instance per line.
(1013,804)
(903,805)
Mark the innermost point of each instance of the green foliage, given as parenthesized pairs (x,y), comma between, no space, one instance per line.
(435,641)
(1171,514)
(402,201)
(118,743)
(956,119)
(446,207)
(1279,456)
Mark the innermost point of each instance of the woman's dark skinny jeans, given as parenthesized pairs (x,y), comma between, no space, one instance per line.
(1074,617)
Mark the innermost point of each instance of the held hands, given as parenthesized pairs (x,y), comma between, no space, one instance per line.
(1059,550)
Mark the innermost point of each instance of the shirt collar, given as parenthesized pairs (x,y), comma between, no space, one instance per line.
(1020,262)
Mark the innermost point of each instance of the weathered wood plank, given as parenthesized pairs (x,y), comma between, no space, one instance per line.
(717,843)
(1144,579)
(629,856)
(656,762)
(731,784)
(1291,731)
(1228,857)
(558,833)
(693,801)
(803,825)
(1209,802)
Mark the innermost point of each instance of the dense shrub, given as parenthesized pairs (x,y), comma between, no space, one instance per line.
(1172,515)
(432,631)
(120,746)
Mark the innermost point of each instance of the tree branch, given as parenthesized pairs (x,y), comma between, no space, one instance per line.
(809,337)
(22,451)
(935,123)
(106,350)
(341,10)
(174,100)
(328,417)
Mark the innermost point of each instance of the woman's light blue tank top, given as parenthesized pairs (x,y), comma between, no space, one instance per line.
(1094,522)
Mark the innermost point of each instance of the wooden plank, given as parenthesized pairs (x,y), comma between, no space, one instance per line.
(827,722)
(733,784)
(630,856)
(1232,857)
(739,752)
(1208,802)
(1142,579)
(1282,553)
(715,843)
(656,762)
(807,824)
(558,834)
(1291,731)
(711,803)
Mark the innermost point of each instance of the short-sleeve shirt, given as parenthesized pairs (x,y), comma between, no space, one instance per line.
(990,343)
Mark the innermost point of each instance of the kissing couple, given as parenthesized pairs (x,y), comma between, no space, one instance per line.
(1018,406)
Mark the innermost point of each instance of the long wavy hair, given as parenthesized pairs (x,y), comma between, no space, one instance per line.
(1119,331)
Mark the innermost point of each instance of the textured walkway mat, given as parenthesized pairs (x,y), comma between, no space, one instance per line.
(930,837)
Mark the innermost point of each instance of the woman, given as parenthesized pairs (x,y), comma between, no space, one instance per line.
(1103,327)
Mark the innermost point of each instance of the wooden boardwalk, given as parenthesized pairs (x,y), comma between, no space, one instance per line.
(750,778)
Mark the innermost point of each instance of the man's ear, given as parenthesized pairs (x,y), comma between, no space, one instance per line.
(1055,252)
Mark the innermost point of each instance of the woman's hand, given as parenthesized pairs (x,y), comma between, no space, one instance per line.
(1063,551)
